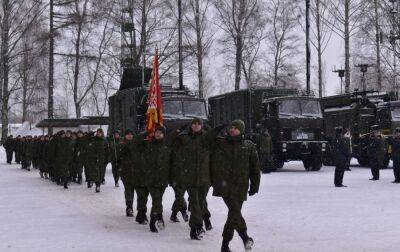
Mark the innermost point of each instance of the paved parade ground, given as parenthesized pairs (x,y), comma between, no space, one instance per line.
(294,211)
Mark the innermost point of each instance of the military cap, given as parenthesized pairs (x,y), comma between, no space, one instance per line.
(238,124)
(162,129)
(197,120)
(397,129)
(128,131)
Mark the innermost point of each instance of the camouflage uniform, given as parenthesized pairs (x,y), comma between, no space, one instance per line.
(96,159)
(63,158)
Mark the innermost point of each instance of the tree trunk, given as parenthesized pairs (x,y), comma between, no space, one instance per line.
(25,83)
(239,43)
(378,47)
(347,44)
(77,60)
(199,50)
(319,48)
(50,103)
(5,67)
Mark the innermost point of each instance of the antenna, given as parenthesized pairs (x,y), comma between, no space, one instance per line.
(341,73)
(364,69)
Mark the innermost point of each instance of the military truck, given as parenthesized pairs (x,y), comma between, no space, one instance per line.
(356,112)
(266,106)
(127,108)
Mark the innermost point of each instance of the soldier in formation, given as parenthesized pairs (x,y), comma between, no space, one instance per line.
(375,149)
(9,146)
(395,143)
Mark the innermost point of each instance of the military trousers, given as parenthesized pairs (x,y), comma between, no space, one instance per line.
(9,154)
(180,202)
(235,220)
(339,173)
(142,193)
(115,171)
(129,191)
(156,194)
(375,167)
(17,157)
(197,203)
(396,170)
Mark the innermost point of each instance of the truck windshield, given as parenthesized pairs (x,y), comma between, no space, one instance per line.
(396,114)
(195,108)
(297,107)
(173,107)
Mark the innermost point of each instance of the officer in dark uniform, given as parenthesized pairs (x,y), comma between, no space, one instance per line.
(395,143)
(341,154)
(375,149)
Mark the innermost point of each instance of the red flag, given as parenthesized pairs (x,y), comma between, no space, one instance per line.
(154,114)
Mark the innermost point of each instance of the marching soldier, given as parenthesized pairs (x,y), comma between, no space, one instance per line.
(9,146)
(235,172)
(341,154)
(376,152)
(128,159)
(96,159)
(395,143)
(192,164)
(63,157)
(79,148)
(157,162)
(18,149)
(114,152)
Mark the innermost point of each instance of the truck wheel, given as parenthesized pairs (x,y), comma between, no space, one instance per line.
(307,164)
(362,161)
(316,163)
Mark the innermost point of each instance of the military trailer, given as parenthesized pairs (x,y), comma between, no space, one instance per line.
(355,112)
(127,108)
(261,106)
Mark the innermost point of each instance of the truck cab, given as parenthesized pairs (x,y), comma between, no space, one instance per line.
(296,126)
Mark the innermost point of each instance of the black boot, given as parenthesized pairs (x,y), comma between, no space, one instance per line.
(174,217)
(141,218)
(129,209)
(185,215)
(116,184)
(65,185)
(97,187)
(153,227)
(207,223)
(160,222)
(89,184)
(248,242)
(225,246)
(41,174)
(194,234)
(80,180)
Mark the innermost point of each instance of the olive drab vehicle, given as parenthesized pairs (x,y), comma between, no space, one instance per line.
(261,106)
(127,108)
(296,127)
(355,112)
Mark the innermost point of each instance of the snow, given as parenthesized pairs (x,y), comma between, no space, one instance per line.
(294,211)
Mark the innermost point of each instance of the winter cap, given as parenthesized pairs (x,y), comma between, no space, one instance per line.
(128,131)
(100,130)
(162,129)
(397,130)
(197,120)
(238,124)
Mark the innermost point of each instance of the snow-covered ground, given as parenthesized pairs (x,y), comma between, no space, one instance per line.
(294,211)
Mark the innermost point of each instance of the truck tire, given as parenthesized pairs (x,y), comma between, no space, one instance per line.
(362,161)
(316,163)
